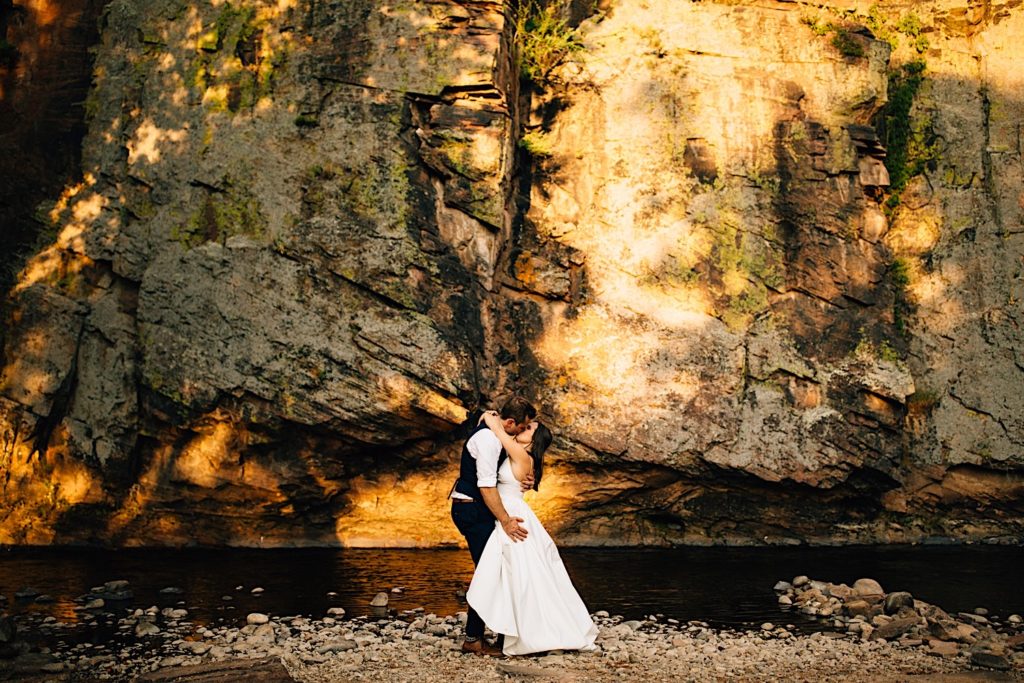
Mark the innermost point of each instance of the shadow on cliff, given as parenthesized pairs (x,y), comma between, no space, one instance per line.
(45,72)
(231,469)
(844,292)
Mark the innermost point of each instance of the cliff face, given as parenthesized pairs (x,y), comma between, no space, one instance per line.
(760,267)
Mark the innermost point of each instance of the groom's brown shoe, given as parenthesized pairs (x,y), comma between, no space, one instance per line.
(481,647)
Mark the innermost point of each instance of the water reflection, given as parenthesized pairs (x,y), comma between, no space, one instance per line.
(724,586)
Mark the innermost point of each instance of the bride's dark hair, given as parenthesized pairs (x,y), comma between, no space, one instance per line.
(542,438)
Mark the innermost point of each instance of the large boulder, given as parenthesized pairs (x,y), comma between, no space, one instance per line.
(898,600)
(868,588)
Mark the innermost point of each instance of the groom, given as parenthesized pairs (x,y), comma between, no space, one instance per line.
(476,503)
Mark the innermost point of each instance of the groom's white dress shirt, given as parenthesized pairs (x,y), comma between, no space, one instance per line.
(485,447)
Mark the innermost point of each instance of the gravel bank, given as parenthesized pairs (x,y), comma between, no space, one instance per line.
(636,651)
(869,636)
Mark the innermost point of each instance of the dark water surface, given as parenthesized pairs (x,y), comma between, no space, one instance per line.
(723,586)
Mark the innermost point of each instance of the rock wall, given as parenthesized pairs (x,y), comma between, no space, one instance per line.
(775,336)
(759,263)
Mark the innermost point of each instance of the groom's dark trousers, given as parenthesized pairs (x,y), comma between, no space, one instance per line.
(477,528)
(471,517)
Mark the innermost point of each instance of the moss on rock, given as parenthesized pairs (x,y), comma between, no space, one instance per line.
(222,215)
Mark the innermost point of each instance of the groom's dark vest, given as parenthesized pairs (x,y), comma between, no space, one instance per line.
(466,483)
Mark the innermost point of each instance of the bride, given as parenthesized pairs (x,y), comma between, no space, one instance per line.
(521,588)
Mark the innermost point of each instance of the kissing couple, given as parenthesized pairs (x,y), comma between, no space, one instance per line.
(520,589)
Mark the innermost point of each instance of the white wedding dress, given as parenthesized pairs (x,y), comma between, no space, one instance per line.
(522,590)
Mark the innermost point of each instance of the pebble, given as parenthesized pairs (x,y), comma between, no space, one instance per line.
(172,661)
(991,660)
(942,648)
(379,600)
(146,628)
(867,587)
(970,616)
(423,647)
(339,645)
(897,600)
(256,591)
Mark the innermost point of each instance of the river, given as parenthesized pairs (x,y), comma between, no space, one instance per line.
(726,587)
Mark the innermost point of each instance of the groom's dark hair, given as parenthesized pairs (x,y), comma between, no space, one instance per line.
(519,409)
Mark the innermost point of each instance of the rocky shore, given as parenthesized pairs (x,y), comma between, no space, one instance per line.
(867,635)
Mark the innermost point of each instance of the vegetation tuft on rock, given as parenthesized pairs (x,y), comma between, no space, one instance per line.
(543,39)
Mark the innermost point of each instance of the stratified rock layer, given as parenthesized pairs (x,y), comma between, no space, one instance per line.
(305,243)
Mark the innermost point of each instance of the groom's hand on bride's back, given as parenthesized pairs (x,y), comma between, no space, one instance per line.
(512,528)
(527,483)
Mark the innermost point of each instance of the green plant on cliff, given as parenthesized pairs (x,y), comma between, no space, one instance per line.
(743,265)
(884,351)
(233,24)
(842,40)
(741,309)
(766,182)
(923,400)
(911,144)
(543,40)
(222,215)
(234,67)
(880,26)
(874,347)
(910,26)
(847,45)
(885,27)
(900,273)
(817,28)
(537,144)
